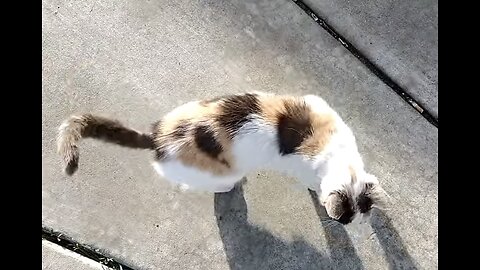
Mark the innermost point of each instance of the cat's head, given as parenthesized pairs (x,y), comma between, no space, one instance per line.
(356,199)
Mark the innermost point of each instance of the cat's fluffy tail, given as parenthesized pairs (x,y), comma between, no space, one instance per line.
(91,126)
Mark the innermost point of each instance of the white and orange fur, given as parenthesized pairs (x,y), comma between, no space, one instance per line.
(212,145)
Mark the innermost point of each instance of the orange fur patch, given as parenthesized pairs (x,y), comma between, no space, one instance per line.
(321,126)
(187,118)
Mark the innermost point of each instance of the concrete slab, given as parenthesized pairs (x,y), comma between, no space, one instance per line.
(55,257)
(401,37)
(136,60)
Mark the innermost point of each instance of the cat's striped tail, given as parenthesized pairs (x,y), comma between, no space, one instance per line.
(77,127)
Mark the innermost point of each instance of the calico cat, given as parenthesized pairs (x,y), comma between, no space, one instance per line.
(212,144)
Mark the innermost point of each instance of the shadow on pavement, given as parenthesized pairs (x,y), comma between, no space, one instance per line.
(392,244)
(250,247)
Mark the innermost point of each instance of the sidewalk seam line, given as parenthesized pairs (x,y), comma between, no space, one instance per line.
(369,64)
(81,249)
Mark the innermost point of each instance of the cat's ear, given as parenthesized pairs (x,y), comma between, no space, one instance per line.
(372,195)
(334,206)
(340,207)
(378,196)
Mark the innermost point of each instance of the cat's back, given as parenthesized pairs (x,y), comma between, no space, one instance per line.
(244,131)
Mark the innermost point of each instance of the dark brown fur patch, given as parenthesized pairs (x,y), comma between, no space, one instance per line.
(180,131)
(294,126)
(234,112)
(206,142)
(345,208)
(160,153)
(224,162)
(364,201)
(72,164)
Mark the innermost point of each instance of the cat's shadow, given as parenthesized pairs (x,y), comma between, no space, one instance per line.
(251,247)
(391,242)
(341,248)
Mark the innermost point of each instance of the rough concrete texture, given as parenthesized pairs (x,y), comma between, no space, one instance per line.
(55,257)
(401,37)
(136,60)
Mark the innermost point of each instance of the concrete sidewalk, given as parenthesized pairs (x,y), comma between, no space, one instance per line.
(401,37)
(136,60)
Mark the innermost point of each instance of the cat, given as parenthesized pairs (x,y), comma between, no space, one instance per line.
(212,144)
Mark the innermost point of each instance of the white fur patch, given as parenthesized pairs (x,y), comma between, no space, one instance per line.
(187,177)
